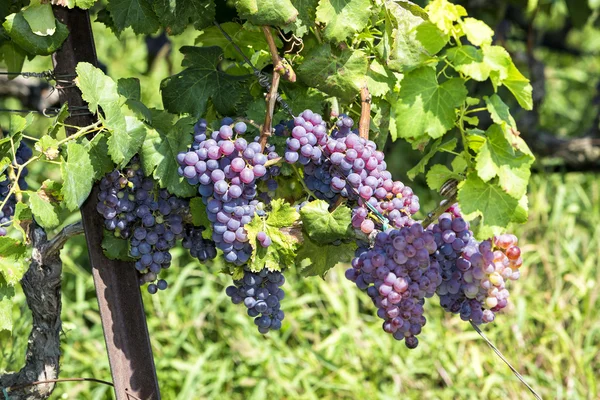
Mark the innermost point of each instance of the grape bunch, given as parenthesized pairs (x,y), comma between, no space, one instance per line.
(151,218)
(199,247)
(474,273)
(398,274)
(226,167)
(344,164)
(23,154)
(261,293)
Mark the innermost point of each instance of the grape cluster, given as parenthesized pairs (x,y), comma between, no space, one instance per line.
(474,273)
(199,247)
(23,154)
(398,274)
(261,293)
(345,164)
(227,169)
(152,219)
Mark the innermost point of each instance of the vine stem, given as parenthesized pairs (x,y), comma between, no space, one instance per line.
(365,113)
(432,216)
(271,98)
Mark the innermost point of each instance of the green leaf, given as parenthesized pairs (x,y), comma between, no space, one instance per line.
(6,295)
(400,46)
(97,149)
(129,88)
(40,19)
(13,56)
(490,202)
(343,18)
(97,89)
(478,32)
(115,248)
(431,37)
(438,175)
(426,108)
(176,15)
(469,60)
(60,118)
(135,13)
(19,31)
(123,144)
(267,12)
(459,164)
(280,254)
(45,212)
(435,147)
(499,111)
(13,260)
(506,73)
(325,227)
(497,157)
(444,14)
(317,260)
(282,214)
(49,146)
(380,80)
(306,16)
(78,176)
(160,148)
(200,217)
(22,218)
(339,74)
(18,124)
(190,90)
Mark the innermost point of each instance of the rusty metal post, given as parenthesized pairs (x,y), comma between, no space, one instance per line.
(116,282)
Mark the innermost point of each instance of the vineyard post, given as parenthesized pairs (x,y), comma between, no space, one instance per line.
(116,282)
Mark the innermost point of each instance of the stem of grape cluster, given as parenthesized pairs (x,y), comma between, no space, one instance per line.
(365,113)
(433,216)
(271,98)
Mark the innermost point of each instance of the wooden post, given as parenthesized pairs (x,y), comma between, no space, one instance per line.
(116,282)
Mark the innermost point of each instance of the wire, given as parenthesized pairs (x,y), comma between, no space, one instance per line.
(499,354)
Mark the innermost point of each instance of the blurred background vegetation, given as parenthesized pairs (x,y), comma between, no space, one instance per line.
(331,345)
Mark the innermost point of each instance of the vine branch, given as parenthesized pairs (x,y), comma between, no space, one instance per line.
(365,113)
(42,288)
(271,98)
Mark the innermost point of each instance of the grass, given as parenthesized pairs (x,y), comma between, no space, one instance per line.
(332,346)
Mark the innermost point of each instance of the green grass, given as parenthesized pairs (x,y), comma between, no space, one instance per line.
(332,346)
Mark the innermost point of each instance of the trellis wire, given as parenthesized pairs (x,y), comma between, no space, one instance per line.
(263,80)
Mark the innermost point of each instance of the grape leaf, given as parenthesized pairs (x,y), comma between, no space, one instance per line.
(469,60)
(13,55)
(438,175)
(97,89)
(280,254)
(478,32)
(380,80)
(97,149)
(135,13)
(282,214)
(45,212)
(200,217)
(435,147)
(115,248)
(160,148)
(400,46)
(176,15)
(61,116)
(497,157)
(13,259)
(78,176)
(190,90)
(6,294)
(267,12)
(324,226)
(499,111)
(444,14)
(40,19)
(425,107)
(343,18)
(340,74)
(19,31)
(306,16)
(431,37)
(504,72)
(126,140)
(490,202)
(317,260)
